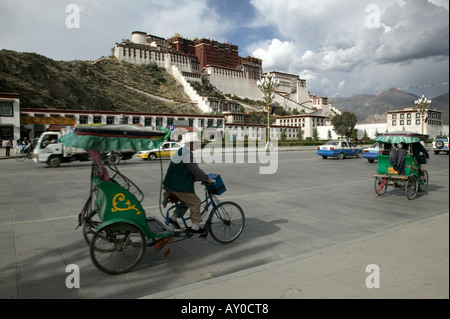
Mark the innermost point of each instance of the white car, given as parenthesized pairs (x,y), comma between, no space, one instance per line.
(168,149)
(371,152)
(440,144)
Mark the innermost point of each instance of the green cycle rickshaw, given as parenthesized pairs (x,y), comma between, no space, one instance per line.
(399,164)
(115,224)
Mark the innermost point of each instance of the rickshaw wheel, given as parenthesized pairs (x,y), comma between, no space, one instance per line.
(380,185)
(117,248)
(411,186)
(423,184)
(89,230)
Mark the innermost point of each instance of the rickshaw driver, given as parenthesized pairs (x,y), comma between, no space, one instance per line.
(183,171)
(418,148)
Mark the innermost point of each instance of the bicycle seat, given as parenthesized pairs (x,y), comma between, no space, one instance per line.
(173,198)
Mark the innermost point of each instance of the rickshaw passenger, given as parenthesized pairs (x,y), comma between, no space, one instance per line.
(179,180)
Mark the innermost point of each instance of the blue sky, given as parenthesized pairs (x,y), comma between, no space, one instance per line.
(341,47)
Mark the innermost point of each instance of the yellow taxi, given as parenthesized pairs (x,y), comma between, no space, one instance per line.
(165,151)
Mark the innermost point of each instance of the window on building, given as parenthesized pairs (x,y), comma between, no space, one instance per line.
(402,116)
(6,108)
(148,121)
(417,115)
(402,122)
(110,120)
(408,116)
(408,122)
(417,122)
(394,116)
(97,120)
(394,123)
(83,119)
(136,120)
(6,132)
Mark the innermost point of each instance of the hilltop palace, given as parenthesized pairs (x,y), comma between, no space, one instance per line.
(201,60)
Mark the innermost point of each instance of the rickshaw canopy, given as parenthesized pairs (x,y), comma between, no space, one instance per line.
(400,137)
(115,137)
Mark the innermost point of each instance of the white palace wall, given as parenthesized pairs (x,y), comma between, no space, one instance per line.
(233,82)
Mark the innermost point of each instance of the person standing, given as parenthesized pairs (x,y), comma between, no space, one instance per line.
(8,147)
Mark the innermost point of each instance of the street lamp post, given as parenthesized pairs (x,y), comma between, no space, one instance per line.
(422,104)
(268,86)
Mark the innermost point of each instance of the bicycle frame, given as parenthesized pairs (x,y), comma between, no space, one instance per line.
(210,201)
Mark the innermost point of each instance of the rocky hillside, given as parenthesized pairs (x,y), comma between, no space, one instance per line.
(374,108)
(45,83)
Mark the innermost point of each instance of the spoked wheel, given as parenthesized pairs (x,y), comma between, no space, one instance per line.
(21,158)
(411,187)
(227,222)
(117,248)
(423,184)
(380,185)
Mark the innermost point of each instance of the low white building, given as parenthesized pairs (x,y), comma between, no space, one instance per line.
(9,116)
(411,119)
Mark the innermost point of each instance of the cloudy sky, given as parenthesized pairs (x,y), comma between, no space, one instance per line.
(341,47)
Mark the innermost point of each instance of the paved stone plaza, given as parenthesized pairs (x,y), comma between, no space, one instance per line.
(311,230)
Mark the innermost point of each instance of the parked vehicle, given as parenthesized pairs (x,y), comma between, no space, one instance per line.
(50,151)
(340,149)
(167,149)
(372,151)
(440,144)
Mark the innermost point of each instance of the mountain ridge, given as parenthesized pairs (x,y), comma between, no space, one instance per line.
(373,108)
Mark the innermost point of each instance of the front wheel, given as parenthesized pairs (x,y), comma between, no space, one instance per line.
(227,222)
(54,161)
(117,248)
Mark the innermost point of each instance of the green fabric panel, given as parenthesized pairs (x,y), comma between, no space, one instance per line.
(109,144)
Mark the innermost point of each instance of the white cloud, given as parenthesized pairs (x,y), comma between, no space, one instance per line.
(276,55)
(331,39)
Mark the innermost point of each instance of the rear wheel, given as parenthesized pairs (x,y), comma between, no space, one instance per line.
(227,222)
(411,186)
(117,248)
(114,158)
(423,183)
(341,156)
(380,185)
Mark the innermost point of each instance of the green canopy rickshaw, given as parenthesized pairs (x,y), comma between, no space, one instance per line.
(399,164)
(114,222)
